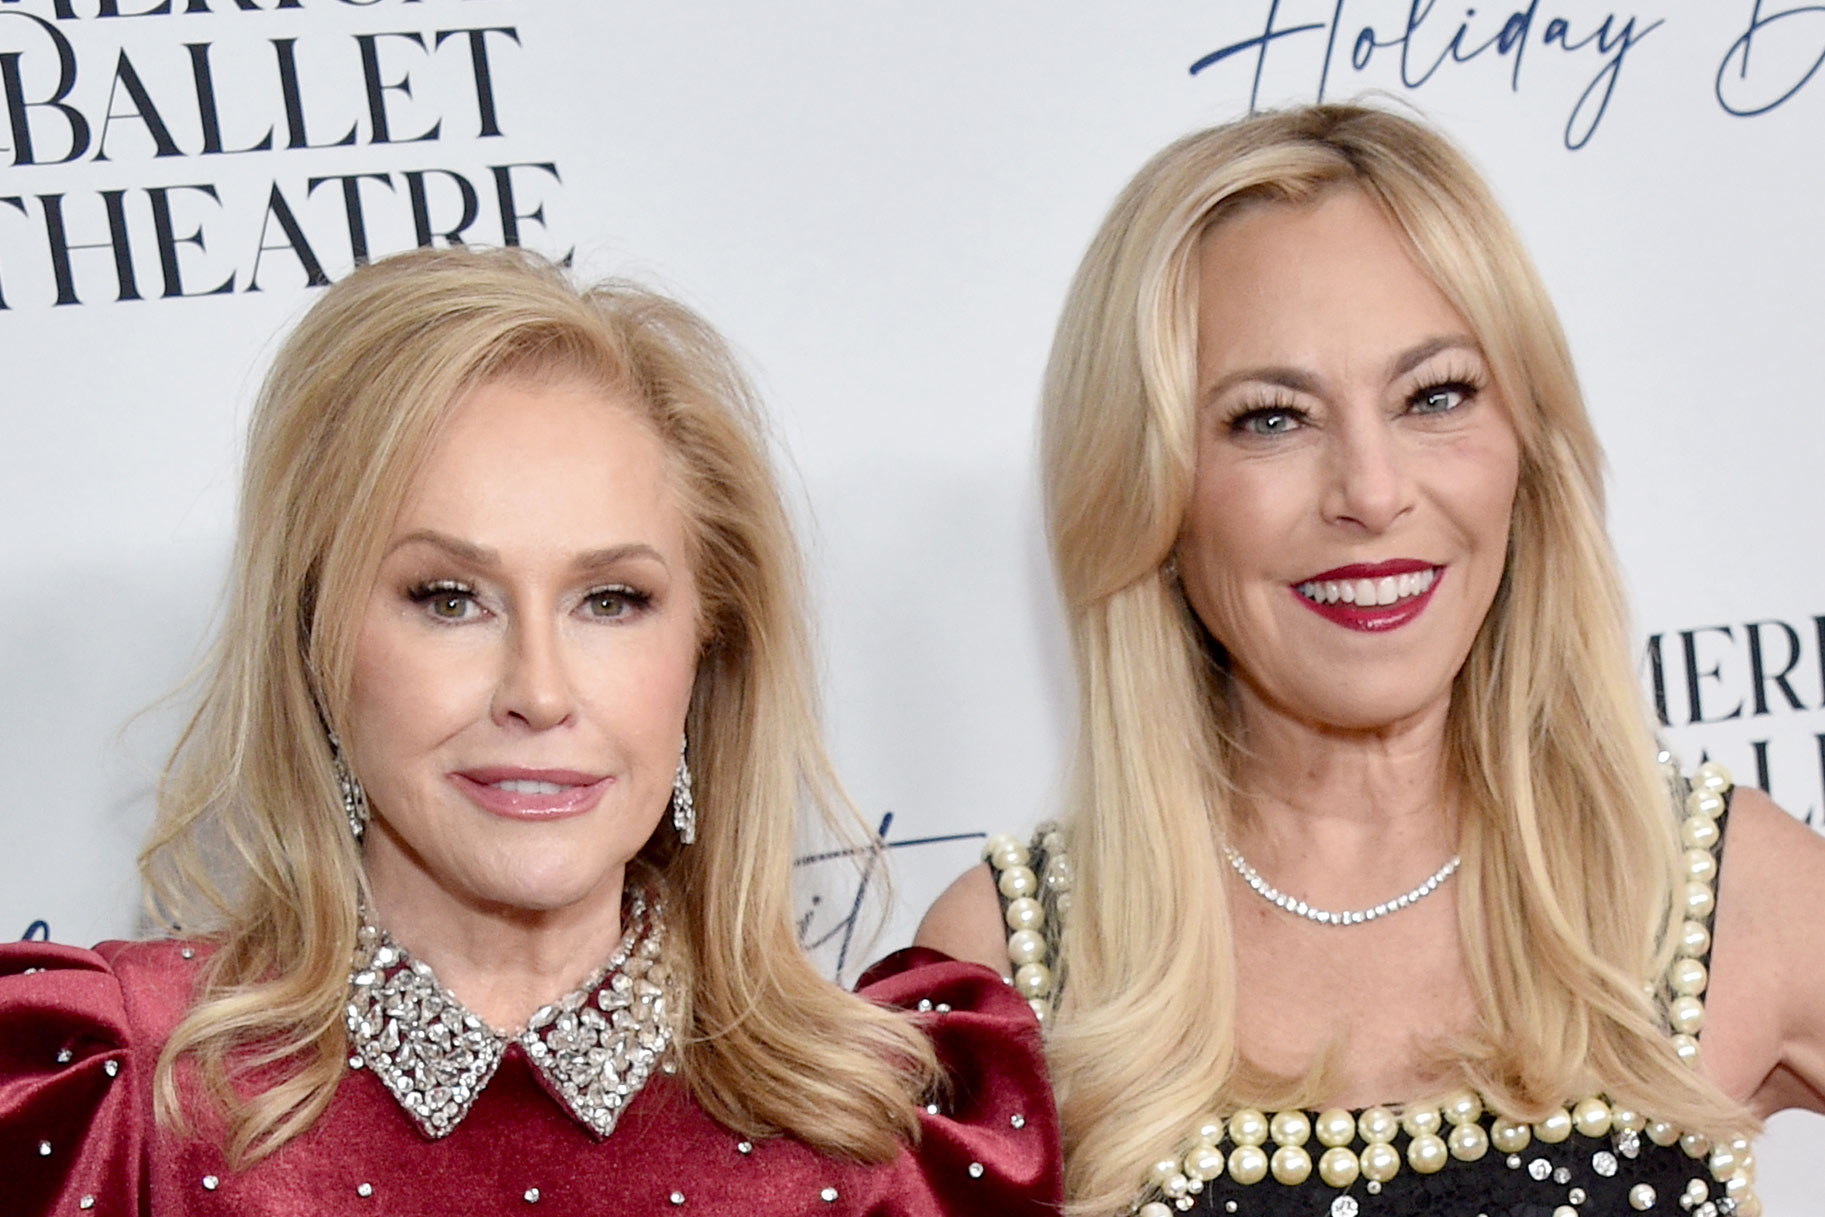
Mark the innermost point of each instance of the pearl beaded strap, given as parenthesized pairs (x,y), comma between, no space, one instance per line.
(1453,1130)
(1026,894)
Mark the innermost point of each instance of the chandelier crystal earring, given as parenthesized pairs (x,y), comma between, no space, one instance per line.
(354,798)
(684,807)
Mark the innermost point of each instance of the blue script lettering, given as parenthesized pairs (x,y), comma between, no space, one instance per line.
(841,933)
(1611,40)
(38,931)
(1737,57)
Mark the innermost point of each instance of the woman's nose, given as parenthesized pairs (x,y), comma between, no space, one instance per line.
(534,686)
(1371,475)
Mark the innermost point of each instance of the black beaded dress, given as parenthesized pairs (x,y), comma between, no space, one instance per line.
(1589,1160)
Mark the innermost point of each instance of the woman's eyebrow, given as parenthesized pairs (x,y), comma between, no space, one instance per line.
(468,551)
(1296,379)
(1411,358)
(612,555)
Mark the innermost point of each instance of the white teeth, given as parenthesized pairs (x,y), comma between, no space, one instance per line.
(1369,593)
(517,786)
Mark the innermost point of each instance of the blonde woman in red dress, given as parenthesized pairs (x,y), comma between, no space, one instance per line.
(476,855)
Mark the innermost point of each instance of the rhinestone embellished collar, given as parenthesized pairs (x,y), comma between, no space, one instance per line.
(594,1048)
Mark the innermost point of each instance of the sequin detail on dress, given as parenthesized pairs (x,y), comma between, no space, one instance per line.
(596,1047)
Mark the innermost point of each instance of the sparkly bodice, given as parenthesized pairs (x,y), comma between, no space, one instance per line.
(1589,1159)
(81,1033)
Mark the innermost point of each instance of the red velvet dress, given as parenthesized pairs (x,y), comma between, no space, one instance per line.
(80,1032)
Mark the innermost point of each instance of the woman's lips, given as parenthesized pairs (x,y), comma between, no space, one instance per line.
(531,794)
(1371,596)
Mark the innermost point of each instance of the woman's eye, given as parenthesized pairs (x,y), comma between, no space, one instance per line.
(612,603)
(451,608)
(1274,420)
(1440,399)
(446,602)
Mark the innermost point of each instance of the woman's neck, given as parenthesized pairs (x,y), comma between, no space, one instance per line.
(501,963)
(1343,814)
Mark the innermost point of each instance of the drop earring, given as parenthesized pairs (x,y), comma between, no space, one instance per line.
(354,798)
(684,807)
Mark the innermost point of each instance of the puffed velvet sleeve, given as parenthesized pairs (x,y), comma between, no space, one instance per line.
(991,1144)
(69,1115)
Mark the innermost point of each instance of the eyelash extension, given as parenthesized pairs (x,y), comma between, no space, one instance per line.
(1465,381)
(420,592)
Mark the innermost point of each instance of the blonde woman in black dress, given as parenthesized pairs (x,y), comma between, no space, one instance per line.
(1372,893)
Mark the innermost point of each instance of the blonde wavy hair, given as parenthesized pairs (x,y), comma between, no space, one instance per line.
(251,847)
(1570,858)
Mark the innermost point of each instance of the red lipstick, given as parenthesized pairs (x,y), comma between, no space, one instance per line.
(502,791)
(1342,595)
(1374,570)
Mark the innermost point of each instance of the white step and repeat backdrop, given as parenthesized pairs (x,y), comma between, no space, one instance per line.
(881,204)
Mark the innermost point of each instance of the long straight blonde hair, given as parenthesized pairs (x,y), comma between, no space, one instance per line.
(251,847)
(1566,894)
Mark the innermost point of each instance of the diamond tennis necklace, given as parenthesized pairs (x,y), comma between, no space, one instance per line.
(1292,904)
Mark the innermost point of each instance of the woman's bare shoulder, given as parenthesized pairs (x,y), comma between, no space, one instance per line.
(1768,961)
(965,921)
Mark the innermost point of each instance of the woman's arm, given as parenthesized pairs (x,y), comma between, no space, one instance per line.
(1765,1025)
(965,922)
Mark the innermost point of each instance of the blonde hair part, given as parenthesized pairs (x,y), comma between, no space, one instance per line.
(250,846)
(1567,891)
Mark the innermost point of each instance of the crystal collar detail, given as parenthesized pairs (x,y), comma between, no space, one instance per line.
(595,1048)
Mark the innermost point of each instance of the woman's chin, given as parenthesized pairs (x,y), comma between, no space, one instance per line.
(541,887)
(1374,716)
(1368,707)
